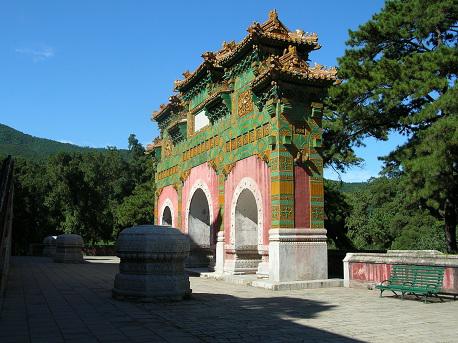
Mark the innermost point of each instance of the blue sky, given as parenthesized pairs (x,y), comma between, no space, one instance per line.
(91,72)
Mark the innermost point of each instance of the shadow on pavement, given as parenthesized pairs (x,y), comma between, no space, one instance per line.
(55,302)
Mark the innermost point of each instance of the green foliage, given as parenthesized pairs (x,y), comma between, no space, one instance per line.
(85,189)
(336,208)
(31,218)
(94,194)
(399,74)
(381,217)
(137,208)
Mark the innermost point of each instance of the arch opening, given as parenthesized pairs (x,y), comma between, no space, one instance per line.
(199,230)
(246,233)
(167,216)
(246,221)
(199,219)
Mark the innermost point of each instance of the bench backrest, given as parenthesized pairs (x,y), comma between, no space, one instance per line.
(430,277)
(400,274)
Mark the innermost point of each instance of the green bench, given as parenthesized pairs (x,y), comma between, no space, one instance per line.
(417,280)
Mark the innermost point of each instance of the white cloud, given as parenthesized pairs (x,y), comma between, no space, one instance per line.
(37,55)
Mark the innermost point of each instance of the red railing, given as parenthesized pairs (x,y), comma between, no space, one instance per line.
(6,219)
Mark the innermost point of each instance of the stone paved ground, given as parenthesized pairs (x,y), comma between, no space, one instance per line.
(48,302)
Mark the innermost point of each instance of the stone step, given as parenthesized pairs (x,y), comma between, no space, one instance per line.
(254,281)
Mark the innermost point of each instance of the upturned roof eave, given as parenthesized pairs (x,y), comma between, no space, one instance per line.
(186,84)
(265,78)
(265,39)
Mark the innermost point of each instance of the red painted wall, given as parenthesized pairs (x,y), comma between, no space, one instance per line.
(171,193)
(208,176)
(378,272)
(301,198)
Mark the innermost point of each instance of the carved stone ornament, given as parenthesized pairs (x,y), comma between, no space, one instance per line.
(245,104)
(152,264)
(264,156)
(214,164)
(228,168)
(69,249)
(184,175)
(167,148)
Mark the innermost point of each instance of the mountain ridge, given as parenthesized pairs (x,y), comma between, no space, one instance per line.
(19,144)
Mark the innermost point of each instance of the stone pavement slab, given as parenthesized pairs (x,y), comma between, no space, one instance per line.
(50,302)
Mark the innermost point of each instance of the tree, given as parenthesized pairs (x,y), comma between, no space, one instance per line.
(138,207)
(84,191)
(381,217)
(399,74)
(135,147)
(336,208)
(31,220)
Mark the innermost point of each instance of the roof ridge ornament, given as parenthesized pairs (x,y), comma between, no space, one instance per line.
(209,57)
(319,71)
(291,60)
(274,25)
(273,14)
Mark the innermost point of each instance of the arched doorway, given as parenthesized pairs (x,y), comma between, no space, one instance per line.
(246,221)
(166,216)
(199,219)
(246,232)
(199,230)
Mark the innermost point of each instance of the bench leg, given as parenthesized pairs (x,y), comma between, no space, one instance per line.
(381,291)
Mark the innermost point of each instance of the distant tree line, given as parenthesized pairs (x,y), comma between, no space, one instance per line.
(94,194)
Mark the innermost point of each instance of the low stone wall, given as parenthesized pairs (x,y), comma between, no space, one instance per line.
(369,269)
(102,250)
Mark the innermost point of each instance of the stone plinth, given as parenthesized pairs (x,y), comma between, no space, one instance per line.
(69,249)
(219,266)
(49,246)
(152,264)
(242,261)
(297,255)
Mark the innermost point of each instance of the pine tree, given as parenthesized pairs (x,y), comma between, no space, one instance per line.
(399,74)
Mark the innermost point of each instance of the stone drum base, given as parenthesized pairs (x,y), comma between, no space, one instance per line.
(152,264)
(69,249)
(144,289)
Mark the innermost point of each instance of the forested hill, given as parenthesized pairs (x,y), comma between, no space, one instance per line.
(348,187)
(19,144)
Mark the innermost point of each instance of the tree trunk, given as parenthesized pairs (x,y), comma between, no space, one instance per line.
(450,226)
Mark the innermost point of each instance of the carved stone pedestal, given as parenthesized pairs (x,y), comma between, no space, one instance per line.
(263,266)
(243,261)
(49,246)
(297,255)
(152,264)
(69,249)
